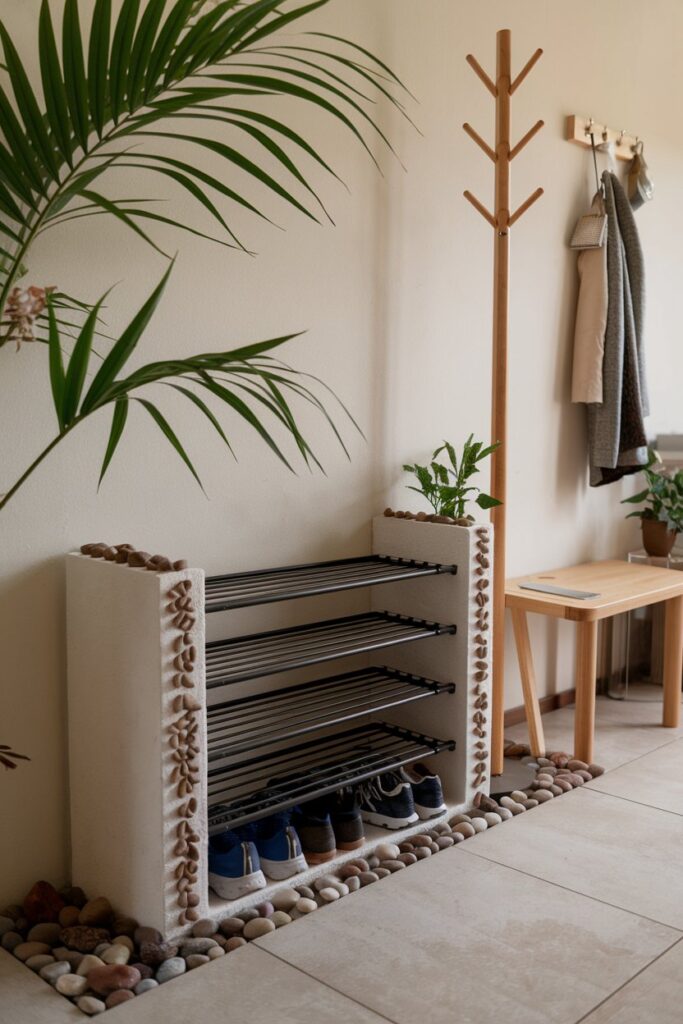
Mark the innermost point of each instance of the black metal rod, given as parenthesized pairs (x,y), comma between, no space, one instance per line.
(235,656)
(288,582)
(313,575)
(344,761)
(227,661)
(232,743)
(247,809)
(312,702)
(253,701)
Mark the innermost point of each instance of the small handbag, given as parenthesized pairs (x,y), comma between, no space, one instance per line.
(591,229)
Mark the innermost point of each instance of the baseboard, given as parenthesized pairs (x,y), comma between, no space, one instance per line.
(513,716)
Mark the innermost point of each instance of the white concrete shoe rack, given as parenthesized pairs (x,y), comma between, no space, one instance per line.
(149,781)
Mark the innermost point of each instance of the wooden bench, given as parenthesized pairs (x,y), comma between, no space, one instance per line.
(621,586)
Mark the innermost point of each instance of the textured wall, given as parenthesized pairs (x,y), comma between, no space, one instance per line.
(396,301)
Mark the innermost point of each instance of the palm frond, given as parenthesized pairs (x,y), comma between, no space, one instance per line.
(162,59)
(245,381)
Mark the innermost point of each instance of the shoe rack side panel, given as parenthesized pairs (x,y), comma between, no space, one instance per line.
(137,739)
(464,659)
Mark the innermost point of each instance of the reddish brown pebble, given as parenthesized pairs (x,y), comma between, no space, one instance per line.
(235,942)
(42,903)
(112,978)
(116,998)
(138,559)
(595,770)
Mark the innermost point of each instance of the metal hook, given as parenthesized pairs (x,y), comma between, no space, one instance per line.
(598,183)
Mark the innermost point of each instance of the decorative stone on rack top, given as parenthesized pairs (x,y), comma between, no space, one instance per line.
(426,517)
(126,554)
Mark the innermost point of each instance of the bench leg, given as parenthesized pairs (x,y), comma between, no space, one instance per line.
(526,668)
(673,661)
(586,666)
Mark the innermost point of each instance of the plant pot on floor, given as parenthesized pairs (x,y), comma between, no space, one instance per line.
(658,540)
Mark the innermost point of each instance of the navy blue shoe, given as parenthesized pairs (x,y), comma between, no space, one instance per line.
(387,801)
(279,848)
(427,791)
(234,866)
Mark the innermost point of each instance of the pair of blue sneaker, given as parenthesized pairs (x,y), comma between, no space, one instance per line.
(399,799)
(239,859)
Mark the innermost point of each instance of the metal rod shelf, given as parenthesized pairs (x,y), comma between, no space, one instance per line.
(280,650)
(240,590)
(247,790)
(250,722)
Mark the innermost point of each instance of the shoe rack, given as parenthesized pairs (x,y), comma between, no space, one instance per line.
(173,737)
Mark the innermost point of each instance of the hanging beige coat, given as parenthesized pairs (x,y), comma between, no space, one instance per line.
(591,320)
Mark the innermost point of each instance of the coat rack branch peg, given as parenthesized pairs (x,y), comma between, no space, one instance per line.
(476,137)
(525,139)
(478,70)
(532,61)
(521,210)
(481,208)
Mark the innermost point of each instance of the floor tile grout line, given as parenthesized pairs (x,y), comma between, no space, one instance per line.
(575,892)
(638,803)
(326,984)
(616,992)
(639,757)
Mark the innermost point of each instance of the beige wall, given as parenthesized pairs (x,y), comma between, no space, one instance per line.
(396,300)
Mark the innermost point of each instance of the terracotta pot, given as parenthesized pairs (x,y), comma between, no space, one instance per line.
(658,541)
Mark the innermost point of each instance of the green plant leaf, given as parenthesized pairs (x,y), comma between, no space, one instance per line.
(123,348)
(56,103)
(122,215)
(486,501)
(20,152)
(98,63)
(118,423)
(120,58)
(635,499)
(244,411)
(196,400)
(166,40)
(75,82)
(57,377)
(142,49)
(27,105)
(166,429)
(241,161)
(78,365)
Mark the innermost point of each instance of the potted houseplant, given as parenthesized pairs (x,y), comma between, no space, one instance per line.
(447,488)
(662,517)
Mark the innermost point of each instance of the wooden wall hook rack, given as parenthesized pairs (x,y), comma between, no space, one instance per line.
(579,131)
(502,154)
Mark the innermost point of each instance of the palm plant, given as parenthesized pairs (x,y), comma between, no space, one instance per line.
(113,99)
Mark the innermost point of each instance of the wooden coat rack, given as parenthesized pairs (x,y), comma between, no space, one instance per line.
(501,221)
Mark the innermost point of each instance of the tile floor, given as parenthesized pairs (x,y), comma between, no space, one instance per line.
(571,913)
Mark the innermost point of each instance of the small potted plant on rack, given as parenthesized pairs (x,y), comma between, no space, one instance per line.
(662,517)
(447,488)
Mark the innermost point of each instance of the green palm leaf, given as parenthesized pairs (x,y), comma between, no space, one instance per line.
(123,85)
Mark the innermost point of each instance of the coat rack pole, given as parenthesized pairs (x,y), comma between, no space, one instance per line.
(501,278)
(501,221)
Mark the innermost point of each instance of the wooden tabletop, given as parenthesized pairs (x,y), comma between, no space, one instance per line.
(620,586)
